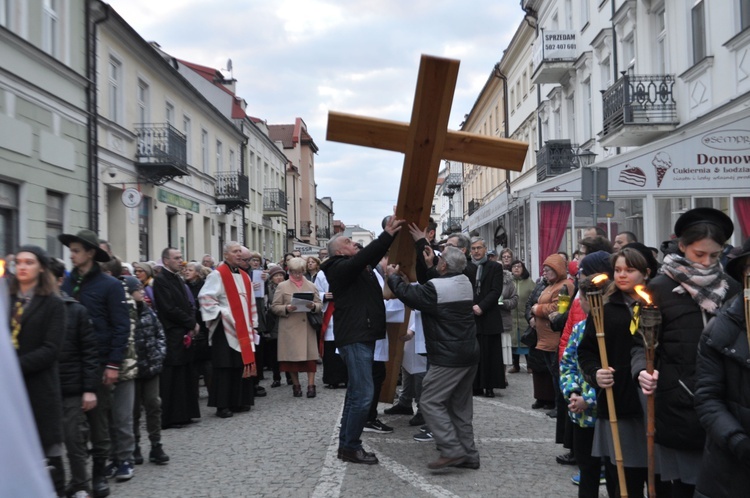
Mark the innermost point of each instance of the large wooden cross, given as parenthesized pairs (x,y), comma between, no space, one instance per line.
(425,142)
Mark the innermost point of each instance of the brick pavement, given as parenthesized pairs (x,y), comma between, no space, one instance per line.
(286,447)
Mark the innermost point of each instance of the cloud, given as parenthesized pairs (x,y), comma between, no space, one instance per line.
(303,58)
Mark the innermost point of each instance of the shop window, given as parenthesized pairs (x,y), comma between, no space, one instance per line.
(144,222)
(628,218)
(8,218)
(742,218)
(54,223)
(554,222)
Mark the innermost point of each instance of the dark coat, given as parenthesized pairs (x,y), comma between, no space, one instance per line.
(722,401)
(150,342)
(104,299)
(619,342)
(80,370)
(39,342)
(176,313)
(488,290)
(677,424)
(360,313)
(447,305)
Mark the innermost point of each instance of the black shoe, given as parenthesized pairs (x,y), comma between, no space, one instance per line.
(224,413)
(276,383)
(566,459)
(417,419)
(99,479)
(398,409)
(552,413)
(377,426)
(242,408)
(490,393)
(260,392)
(137,457)
(538,405)
(359,456)
(469,464)
(157,455)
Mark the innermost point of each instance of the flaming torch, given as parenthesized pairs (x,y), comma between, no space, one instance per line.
(594,296)
(650,321)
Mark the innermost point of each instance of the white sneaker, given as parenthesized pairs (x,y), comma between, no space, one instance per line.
(81,494)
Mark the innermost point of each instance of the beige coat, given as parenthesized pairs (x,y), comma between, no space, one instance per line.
(297,341)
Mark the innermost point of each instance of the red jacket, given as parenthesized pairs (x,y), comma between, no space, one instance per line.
(575,315)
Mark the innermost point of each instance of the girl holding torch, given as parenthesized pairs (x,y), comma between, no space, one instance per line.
(620,320)
(722,392)
(691,290)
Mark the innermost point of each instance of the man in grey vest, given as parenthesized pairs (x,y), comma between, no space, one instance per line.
(446,303)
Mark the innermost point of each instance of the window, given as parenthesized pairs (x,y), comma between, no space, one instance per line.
(525,81)
(51,27)
(628,52)
(698,22)
(512,100)
(169,113)
(572,117)
(115,88)
(54,223)
(518,93)
(186,125)
(204,151)
(606,75)
(661,44)
(584,12)
(5,13)
(587,126)
(568,14)
(219,156)
(232,166)
(744,14)
(8,218)
(142,102)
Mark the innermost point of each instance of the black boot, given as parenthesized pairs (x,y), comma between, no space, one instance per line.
(98,479)
(157,455)
(57,473)
(137,457)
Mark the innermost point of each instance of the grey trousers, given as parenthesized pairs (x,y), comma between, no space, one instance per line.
(75,432)
(448,408)
(411,388)
(99,423)
(121,423)
(147,394)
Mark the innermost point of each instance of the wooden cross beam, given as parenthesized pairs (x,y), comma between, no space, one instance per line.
(425,142)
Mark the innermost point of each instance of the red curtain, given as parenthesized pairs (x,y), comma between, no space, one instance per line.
(742,209)
(553,221)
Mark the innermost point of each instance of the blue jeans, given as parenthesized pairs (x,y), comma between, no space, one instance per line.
(359,391)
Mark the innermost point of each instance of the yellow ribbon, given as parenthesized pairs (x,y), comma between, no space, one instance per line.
(15,323)
(634,320)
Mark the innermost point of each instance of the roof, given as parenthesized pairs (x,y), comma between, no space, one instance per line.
(291,134)
(217,78)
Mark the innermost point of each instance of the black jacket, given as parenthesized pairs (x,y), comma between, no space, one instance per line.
(150,343)
(619,342)
(80,370)
(722,401)
(677,424)
(176,313)
(104,299)
(488,290)
(359,312)
(42,334)
(446,304)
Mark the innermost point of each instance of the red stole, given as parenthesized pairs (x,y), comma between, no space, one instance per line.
(235,305)
(326,319)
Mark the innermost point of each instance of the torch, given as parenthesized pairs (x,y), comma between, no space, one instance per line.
(650,321)
(594,296)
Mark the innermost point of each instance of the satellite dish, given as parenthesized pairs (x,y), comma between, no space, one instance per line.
(229,65)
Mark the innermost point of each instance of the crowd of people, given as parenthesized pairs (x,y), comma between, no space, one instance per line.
(144,336)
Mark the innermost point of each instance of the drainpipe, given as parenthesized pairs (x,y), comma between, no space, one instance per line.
(92,112)
(614,54)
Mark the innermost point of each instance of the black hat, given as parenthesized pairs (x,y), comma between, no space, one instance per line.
(733,267)
(132,284)
(704,215)
(596,262)
(89,240)
(37,251)
(651,262)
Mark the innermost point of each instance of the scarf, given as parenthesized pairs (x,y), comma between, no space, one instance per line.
(480,268)
(706,285)
(298,281)
(244,335)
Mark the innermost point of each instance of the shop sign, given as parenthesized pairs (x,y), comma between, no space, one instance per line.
(178,200)
(496,208)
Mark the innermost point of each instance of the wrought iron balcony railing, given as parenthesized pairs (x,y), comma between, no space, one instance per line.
(232,189)
(474,205)
(274,201)
(323,233)
(639,99)
(555,158)
(162,152)
(452,224)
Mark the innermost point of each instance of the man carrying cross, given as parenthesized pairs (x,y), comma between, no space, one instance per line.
(360,321)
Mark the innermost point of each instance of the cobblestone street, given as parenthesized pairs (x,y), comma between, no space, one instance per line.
(287,447)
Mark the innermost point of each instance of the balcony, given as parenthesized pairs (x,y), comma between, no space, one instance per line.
(232,190)
(452,225)
(474,206)
(637,110)
(274,202)
(161,154)
(555,158)
(323,233)
(553,56)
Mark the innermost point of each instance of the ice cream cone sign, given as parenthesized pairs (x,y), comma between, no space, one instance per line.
(661,162)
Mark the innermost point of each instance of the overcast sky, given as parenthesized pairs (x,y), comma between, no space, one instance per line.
(302,58)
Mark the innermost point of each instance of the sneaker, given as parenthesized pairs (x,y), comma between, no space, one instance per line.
(111,469)
(424,428)
(424,437)
(398,409)
(124,471)
(81,494)
(576,479)
(157,455)
(137,456)
(417,419)
(377,426)
(602,479)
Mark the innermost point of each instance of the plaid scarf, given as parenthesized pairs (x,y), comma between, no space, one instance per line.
(706,285)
